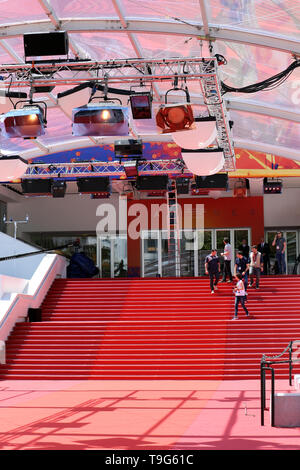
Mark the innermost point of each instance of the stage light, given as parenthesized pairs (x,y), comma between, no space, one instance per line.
(12,167)
(131,168)
(141,107)
(202,136)
(102,119)
(272,187)
(26,122)
(203,162)
(175,117)
(172,118)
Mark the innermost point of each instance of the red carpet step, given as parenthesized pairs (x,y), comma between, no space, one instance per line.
(154,328)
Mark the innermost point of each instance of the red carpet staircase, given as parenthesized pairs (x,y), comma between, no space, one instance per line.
(154,328)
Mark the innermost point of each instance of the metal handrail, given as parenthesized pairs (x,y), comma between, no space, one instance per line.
(76,243)
(266,364)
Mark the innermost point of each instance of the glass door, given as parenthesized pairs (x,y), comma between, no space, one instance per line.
(151,254)
(291,251)
(187,252)
(112,256)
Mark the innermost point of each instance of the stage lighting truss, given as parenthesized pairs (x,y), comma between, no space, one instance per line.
(132,71)
(114,169)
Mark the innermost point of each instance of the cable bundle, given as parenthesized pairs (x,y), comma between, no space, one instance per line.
(268,84)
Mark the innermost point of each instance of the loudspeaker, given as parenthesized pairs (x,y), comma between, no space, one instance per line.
(46,44)
(151,182)
(128,147)
(36,186)
(217,181)
(93,185)
(183,185)
(58,188)
(35,314)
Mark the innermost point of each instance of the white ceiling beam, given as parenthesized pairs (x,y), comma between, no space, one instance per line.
(216,32)
(132,37)
(204,14)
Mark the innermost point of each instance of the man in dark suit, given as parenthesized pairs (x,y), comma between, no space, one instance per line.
(244,247)
(264,249)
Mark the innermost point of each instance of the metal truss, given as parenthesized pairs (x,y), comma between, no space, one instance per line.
(93,168)
(113,71)
(211,90)
(135,71)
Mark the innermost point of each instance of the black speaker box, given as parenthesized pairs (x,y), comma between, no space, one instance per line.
(46,44)
(182,185)
(217,181)
(128,147)
(58,188)
(151,182)
(34,314)
(93,185)
(37,186)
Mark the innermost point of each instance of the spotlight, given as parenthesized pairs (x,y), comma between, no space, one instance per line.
(141,105)
(103,119)
(26,122)
(175,117)
(203,162)
(131,168)
(272,187)
(202,136)
(12,167)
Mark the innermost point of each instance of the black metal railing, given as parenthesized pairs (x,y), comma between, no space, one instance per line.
(38,252)
(266,365)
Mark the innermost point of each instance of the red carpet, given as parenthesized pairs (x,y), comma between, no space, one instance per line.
(139,415)
(154,329)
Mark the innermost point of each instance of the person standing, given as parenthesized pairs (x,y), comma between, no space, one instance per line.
(240,295)
(256,266)
(212,268)
(264,248)
(227,260)
(242,265)
(280,244)
(244,248)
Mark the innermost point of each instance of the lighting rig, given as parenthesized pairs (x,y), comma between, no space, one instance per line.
(92,119)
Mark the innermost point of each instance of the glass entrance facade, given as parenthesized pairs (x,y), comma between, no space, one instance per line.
(194,246)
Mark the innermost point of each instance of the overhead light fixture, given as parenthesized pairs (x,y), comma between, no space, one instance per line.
(272,187)
(27,122)
(202,136)
(131,168)
(12,167)
(175,117)
(203,162)
(102,119)
(141,105)
(240,188)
